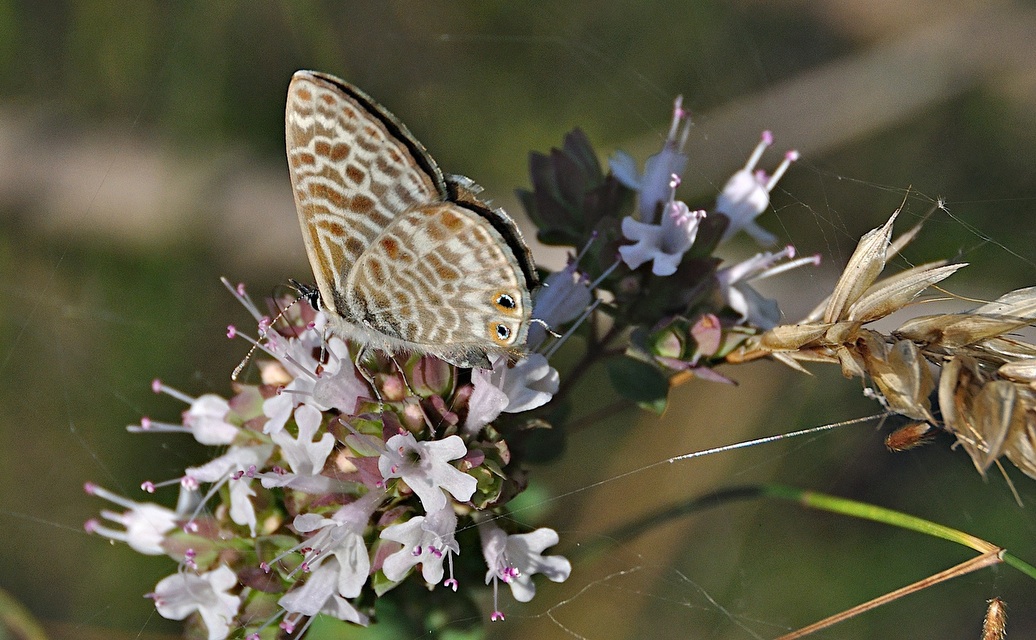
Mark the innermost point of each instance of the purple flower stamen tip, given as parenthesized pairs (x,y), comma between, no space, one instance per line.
(497,615)
(148,486)
(451,583)
(89,488)
(265,567)
(241,288)
(767,137)
(792,155)
(231,331)
(91,525)
(790,250)
(156,385)
(145,423)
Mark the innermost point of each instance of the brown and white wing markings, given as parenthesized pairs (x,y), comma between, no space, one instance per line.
(443,279)
(404,258)
(353,169)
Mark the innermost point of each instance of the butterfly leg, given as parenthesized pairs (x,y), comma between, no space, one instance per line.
(367,375)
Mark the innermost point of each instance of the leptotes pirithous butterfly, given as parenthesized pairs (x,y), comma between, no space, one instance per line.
(405,258)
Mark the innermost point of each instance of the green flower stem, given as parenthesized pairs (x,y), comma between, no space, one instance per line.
(866,511)
(820,501)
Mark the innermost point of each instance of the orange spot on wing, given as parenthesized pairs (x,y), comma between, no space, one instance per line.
(451,221)
(391,247)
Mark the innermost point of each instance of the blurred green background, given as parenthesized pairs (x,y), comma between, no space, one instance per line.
(141,157)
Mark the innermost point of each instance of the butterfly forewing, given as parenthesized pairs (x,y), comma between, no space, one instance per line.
(353,170)
(404,260)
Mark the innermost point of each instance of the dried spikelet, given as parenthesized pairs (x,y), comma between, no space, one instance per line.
(900,373)
(986,387)
(895,292)
(862,270)
(953,330)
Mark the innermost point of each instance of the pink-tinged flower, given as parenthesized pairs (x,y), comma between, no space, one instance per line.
(427,541)
(182,594)
(205,419)
(341,537)
(305,456)
(513,559)
(749,303)
(331,385)
(319,594)
(747,194)
(237,465)
(654,185)
(146,523)
(530,383)
(425,467)
(562,298)
(661,244)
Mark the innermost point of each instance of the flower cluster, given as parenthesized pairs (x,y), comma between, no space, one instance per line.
(346,474)
(674,308)
(338,481)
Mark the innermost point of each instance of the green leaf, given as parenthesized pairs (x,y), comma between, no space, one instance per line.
(639,381)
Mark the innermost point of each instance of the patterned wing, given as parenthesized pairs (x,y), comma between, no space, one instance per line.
(442,280)
(354,168)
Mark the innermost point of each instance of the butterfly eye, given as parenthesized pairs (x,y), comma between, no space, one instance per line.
(503,332)
(505,301)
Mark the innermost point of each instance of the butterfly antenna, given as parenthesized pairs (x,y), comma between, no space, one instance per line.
(306,293)
(545,326)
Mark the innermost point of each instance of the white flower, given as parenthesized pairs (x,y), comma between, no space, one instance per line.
(146,523)
(514,559)
(653,186)
(531,383)
(335,387)
(182,594)
(661,244)
(562,298)
(747,194)
(206,420)
(426,541)
(749,303)
(305,456)
(425,467)
(238,464)
(341,537)
(319,594)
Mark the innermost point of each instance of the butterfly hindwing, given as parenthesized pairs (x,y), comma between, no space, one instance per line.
(442,278)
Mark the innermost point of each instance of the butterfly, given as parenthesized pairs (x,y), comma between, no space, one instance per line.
(406,259)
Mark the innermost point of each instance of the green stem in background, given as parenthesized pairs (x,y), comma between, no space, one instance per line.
(813,500)
(16,620)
